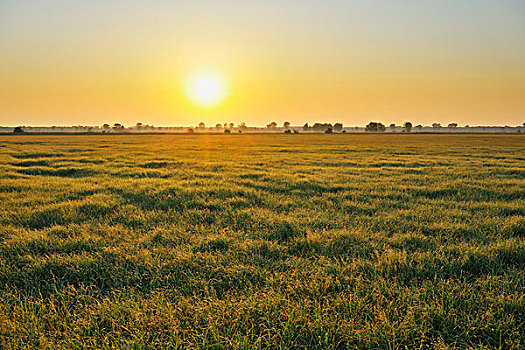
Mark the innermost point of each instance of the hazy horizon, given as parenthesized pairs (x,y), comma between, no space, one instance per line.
(279,125)
(75,63)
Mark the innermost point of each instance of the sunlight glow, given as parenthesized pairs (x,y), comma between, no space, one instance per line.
(206,88)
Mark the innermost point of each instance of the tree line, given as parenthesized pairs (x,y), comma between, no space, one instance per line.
(228,127)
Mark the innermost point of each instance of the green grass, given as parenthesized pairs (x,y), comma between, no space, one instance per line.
(258,241)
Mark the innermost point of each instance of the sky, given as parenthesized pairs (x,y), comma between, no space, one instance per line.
(93,62)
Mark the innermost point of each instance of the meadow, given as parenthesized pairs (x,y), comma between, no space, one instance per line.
(262,241)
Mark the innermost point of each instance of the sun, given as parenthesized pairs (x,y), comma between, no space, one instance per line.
(207,88)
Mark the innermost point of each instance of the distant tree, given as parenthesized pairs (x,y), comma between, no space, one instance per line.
(242,126)
(452,126)
(338,126)
(436,126)
(407,126)
(321,127)
(419,127)
(392,127)
(218,126)
(118,126)
(225,125)
(18,130)
(271,125)
(139,125)
(524,125)
(105,126)
(286,125)
(202,125)
(328,131)
(375,127)
(190,131)
(231,125)
(287,131)
(295,132)
(227,131)
(306,127)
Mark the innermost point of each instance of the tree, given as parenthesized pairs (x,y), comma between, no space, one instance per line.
(338,126)
(271,125)
(118,127)
(375,127)
(225,125)
(218,126)
(18,130)
(452,126)
(306,127)
(419,127)
(190,131)
(231,125)
(139,125)
(105,126)
(407,126)
(202,125)
(392,127)
(328,131)
(286,125)
(436,126)
(227,131)
(242,126)
(321,126)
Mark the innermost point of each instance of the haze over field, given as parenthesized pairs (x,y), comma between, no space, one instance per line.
(72,62)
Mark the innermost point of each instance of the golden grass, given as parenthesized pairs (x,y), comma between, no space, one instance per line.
(258,241)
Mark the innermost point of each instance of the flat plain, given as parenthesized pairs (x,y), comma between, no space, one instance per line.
(258,241)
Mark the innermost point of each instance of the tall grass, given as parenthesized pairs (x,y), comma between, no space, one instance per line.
(258,241)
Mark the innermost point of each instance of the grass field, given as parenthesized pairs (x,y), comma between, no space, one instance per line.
(257,241)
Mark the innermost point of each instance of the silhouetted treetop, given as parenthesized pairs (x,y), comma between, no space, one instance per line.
(375,127)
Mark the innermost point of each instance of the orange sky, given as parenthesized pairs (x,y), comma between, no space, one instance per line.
(70,63)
